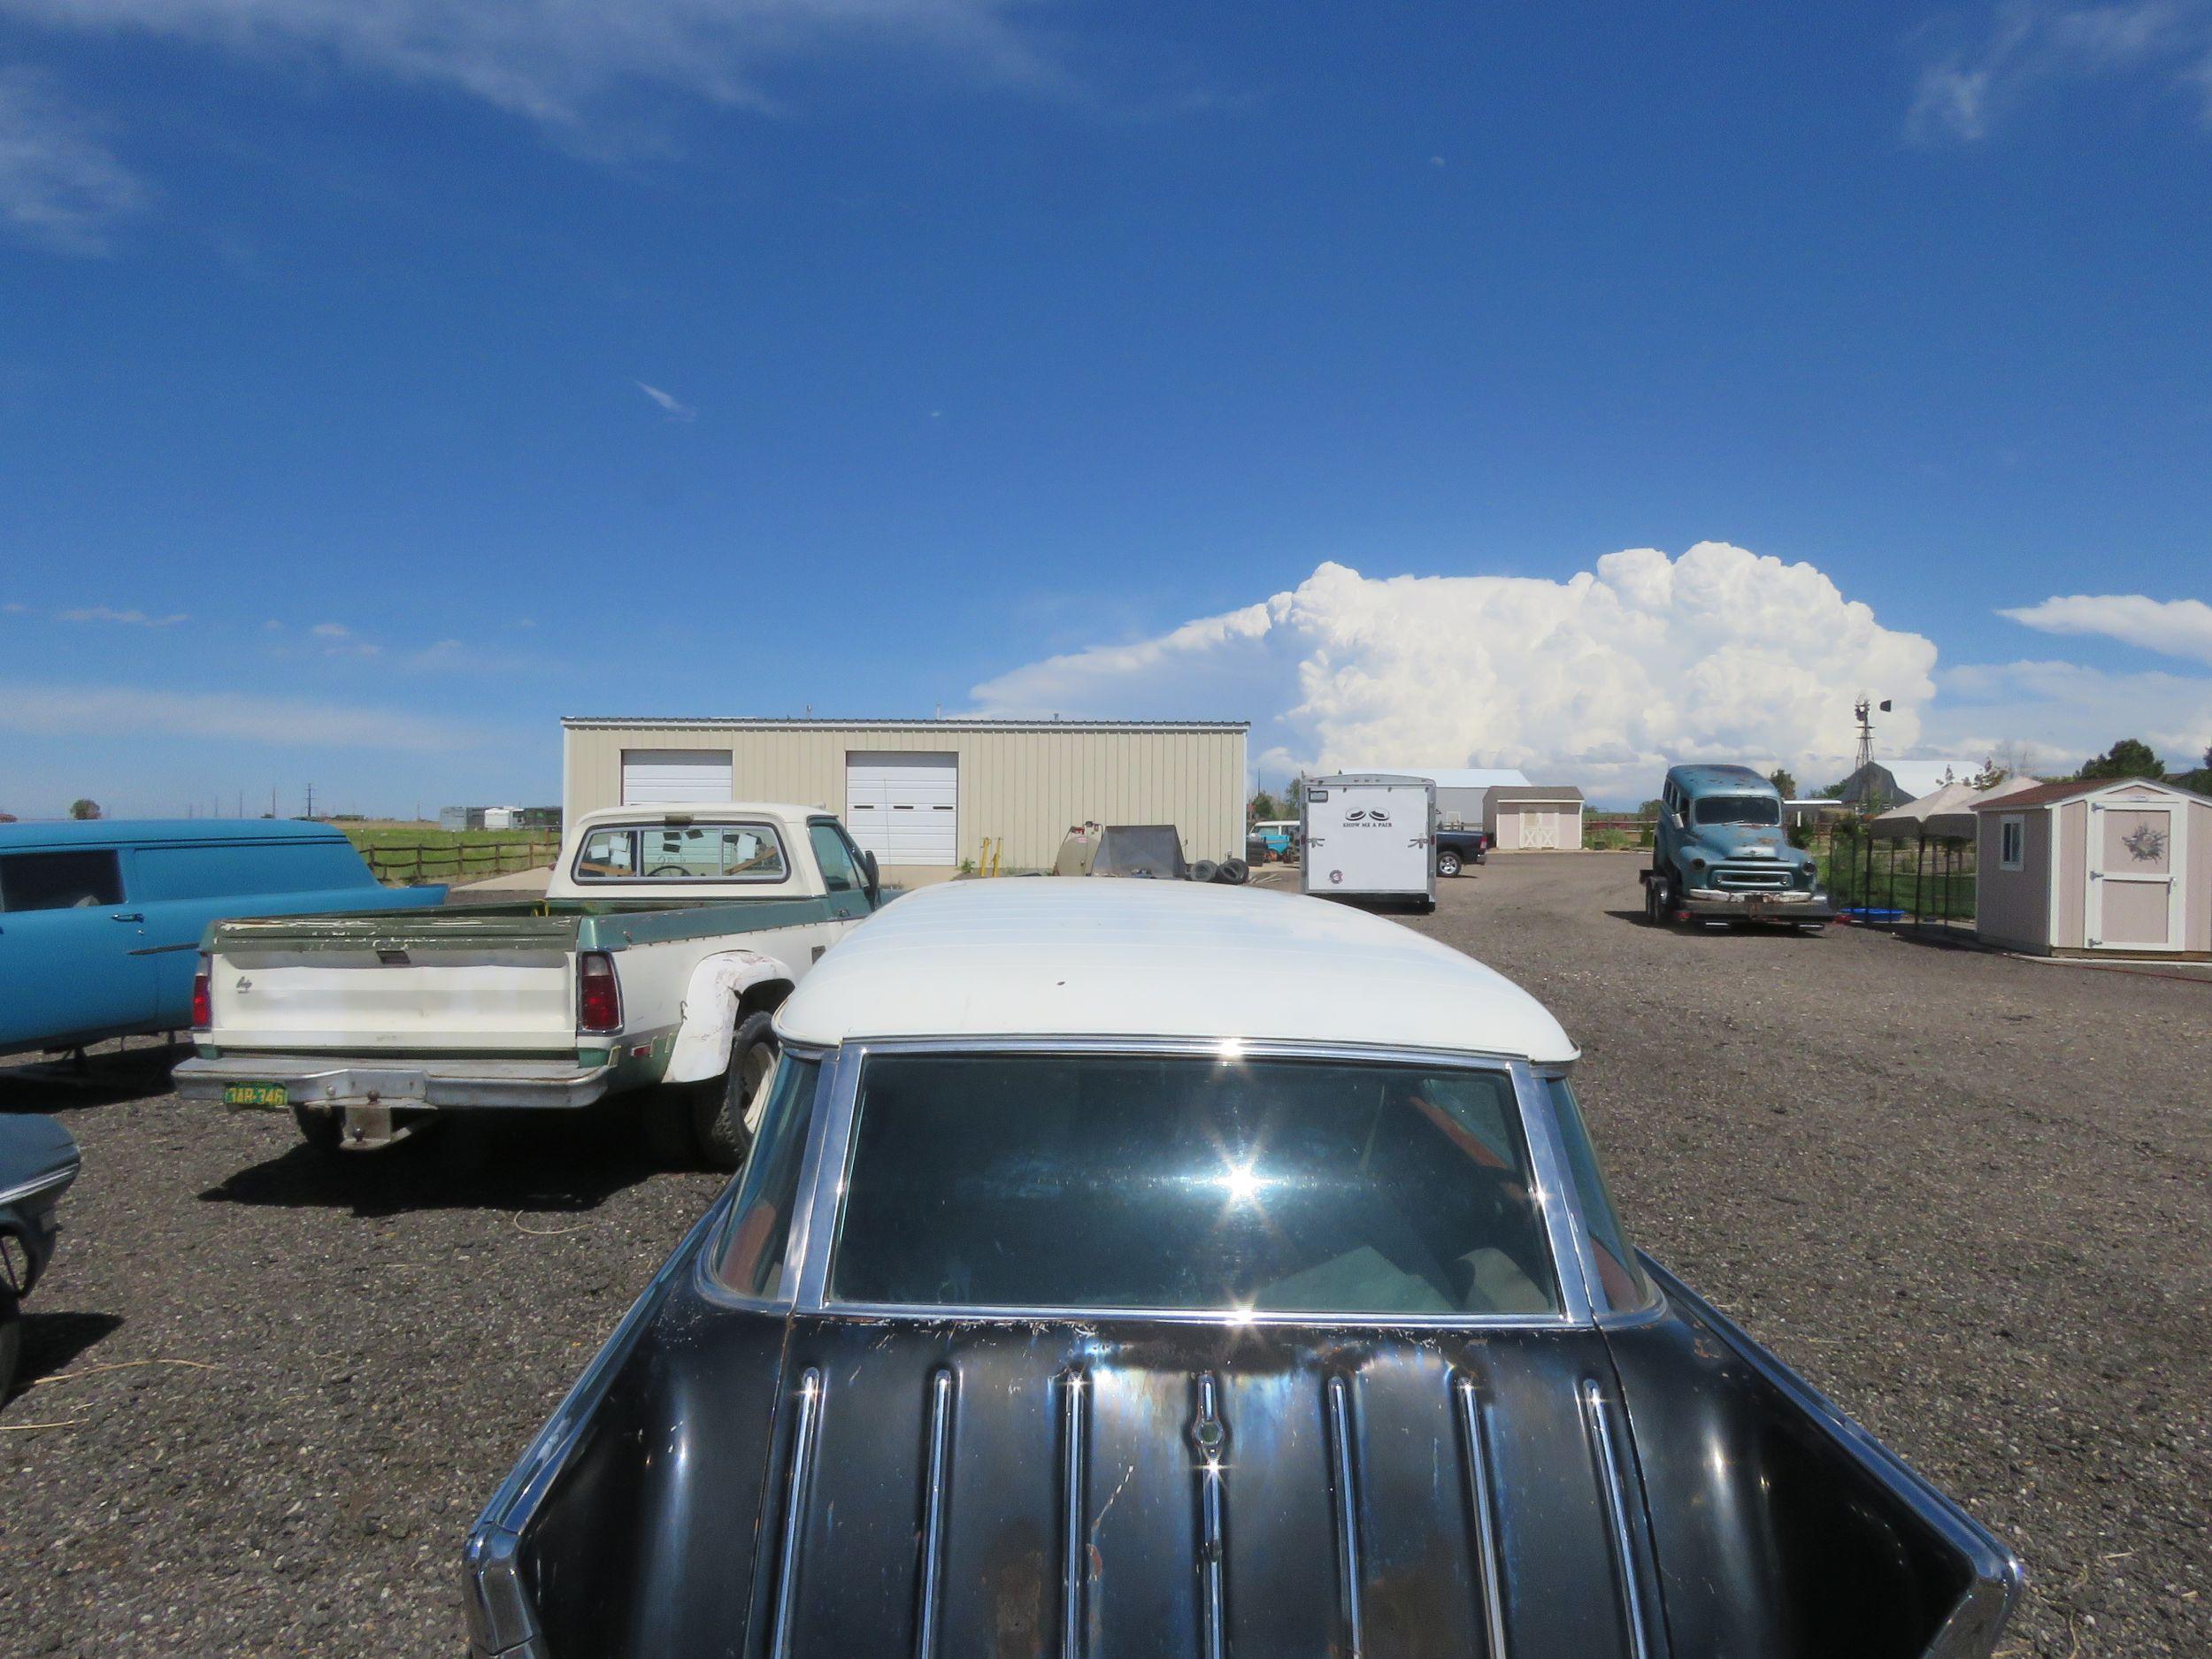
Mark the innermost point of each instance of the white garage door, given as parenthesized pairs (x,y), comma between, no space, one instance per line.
(904,808)
(651,776)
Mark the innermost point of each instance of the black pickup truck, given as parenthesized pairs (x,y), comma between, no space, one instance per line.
(1456,848)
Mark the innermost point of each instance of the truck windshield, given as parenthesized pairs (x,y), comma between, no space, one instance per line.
(1738,809)
(1089,1182)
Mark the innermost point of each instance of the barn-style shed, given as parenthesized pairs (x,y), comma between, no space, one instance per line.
(2096,867)
(1523,818)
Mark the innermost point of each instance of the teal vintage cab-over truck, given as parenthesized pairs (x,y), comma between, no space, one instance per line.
(1719,855)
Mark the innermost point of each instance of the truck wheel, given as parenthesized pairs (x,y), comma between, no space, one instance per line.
(1447,862)
(325,1131)
(725,1134)
(10,1341)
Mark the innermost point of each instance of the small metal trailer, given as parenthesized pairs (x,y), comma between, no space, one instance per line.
(1371,837)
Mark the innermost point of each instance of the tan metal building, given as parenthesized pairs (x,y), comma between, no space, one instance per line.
(2096,868)
(927,796)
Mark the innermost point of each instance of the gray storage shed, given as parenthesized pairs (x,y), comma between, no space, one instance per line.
(1460,791)
(2092,868)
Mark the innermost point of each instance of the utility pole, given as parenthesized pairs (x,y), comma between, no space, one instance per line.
(310,804)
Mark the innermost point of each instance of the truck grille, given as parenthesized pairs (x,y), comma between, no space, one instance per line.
(1751,878)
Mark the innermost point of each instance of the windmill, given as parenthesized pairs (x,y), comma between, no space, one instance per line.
(1860,711)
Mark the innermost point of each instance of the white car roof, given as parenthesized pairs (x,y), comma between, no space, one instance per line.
(1118,958)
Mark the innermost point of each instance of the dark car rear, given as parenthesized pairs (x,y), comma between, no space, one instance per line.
(1140,1349)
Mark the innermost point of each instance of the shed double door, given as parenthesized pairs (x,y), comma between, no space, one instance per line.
(1540,828)
(2137,868)
(904,807)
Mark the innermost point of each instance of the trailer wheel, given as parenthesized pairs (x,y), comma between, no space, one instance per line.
(10,1341)
(727,1108)
(321,1128)
(1447,862)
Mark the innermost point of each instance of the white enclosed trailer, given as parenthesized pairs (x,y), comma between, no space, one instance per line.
(1371,836)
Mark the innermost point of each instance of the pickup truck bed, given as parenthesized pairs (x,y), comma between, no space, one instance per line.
(556,1001)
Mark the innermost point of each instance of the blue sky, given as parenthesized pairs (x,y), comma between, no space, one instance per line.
(379,380)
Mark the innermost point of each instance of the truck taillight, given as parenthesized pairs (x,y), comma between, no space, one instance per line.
(202,1000)
(598,998)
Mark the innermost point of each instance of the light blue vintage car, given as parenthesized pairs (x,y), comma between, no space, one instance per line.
(100,923)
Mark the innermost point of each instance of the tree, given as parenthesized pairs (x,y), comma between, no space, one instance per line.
(1834,792)
(2129,757)
(1651,808)
(1265,806)
(83,809)
(1781,779)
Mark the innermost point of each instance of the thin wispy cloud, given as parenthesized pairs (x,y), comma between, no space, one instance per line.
(561,64)
(78,710)
(670,406)
(61,187)
(128,618)
(2069,711)
(1974,73)
(2173,627)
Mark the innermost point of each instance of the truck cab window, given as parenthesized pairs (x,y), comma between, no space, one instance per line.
(608,855)
(60,881)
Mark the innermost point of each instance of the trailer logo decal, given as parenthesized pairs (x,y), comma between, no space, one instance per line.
(1363,815)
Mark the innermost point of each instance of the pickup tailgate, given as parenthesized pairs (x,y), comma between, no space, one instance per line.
(456,981)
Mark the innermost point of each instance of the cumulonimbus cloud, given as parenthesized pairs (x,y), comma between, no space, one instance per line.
(67,710)
(1602,679)
(2174,628)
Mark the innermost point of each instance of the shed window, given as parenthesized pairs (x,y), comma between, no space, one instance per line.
(2012,834)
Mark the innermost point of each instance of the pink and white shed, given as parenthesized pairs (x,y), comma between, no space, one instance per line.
(2096,867)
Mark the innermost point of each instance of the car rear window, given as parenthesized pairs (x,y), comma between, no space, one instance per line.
(1042,1182)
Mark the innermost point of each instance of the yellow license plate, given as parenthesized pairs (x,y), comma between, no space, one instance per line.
(254,1094)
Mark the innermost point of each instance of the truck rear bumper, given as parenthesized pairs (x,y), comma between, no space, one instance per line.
(321,1080)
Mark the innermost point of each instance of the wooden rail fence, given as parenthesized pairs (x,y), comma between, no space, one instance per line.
(413,864)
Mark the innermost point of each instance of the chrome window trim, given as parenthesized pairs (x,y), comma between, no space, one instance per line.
(709,1280)
(40,1184)
(1584,1257)
(1552,1192)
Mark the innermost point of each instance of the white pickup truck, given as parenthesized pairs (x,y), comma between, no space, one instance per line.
(667,938)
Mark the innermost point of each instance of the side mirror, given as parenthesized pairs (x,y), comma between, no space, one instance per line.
(875,881)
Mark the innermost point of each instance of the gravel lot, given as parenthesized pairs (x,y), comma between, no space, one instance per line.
(1970,1197)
